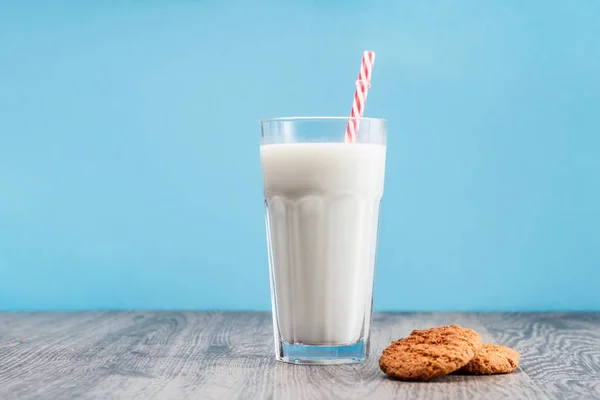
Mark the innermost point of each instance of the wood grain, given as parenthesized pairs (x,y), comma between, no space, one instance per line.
(216,355)
(561,352)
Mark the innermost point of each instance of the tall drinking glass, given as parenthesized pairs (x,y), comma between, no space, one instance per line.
(322,201)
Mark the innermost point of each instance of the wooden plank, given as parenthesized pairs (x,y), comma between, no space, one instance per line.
(561,352)
(166,355)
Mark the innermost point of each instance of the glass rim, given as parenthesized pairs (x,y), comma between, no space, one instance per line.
(319,118)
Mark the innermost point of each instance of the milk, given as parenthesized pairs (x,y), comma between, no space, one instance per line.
(322,210)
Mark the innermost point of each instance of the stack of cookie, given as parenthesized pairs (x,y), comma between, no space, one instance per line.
(427,354)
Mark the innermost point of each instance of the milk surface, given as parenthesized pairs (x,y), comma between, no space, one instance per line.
(322,216)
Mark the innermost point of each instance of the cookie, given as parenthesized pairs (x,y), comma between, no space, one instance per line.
(492,359)
(426,354)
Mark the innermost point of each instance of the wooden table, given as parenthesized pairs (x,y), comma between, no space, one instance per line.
(229,355)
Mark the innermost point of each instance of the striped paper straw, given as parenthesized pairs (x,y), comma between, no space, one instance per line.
(360,96)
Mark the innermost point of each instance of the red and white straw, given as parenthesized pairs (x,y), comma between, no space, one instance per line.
(360,96)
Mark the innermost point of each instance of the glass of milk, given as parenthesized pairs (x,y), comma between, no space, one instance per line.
(322,199)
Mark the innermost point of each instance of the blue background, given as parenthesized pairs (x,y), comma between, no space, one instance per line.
(129,165)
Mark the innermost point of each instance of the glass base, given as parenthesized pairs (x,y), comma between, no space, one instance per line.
(354,353)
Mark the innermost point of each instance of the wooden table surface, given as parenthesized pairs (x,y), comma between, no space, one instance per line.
(227,355)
